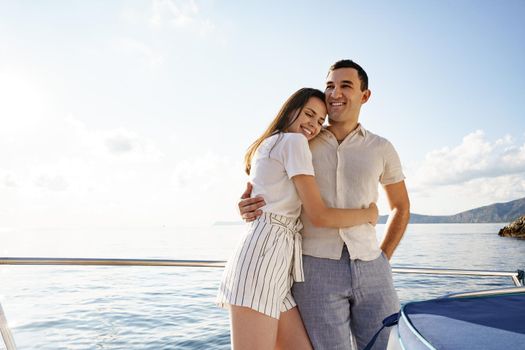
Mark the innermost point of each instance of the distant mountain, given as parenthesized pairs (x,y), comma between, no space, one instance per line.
(498,212)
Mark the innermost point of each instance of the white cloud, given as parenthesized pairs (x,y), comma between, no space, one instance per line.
(452,199)
(153,58)
(68,157)
(124,143)
(206,173)
(52,182)
(119,144)
(474,158)
(205,189)
(25,100)
(8,180)
(68,175)
(74,175)
(113,144)
(474,173)
(180,14)
(165,26)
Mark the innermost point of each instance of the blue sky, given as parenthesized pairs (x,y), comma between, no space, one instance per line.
(137,113)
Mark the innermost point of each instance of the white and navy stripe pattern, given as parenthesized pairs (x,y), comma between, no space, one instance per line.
(262,270)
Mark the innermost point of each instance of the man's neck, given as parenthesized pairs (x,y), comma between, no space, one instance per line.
(342,130)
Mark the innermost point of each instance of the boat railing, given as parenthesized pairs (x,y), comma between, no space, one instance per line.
(487,292)
(518,276)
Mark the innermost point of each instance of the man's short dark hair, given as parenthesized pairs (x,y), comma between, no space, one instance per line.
(363,77)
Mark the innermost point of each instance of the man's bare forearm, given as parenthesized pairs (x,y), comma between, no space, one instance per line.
(394,230)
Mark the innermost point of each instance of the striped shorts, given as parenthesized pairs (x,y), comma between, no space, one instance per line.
(267,261)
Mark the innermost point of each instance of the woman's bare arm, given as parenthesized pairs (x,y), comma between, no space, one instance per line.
(322,216)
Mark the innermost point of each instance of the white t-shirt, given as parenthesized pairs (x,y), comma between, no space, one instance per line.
(279,158)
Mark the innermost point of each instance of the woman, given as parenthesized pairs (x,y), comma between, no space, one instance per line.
(257,280)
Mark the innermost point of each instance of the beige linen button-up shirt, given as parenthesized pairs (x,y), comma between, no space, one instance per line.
(348,175)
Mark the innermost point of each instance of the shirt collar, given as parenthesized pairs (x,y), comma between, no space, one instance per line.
(360,130)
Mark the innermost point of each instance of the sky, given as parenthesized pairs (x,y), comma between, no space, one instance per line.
(138,113)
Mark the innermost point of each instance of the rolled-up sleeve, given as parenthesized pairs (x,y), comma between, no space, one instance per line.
(392,169)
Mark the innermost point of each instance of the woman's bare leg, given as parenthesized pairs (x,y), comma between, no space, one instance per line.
(291,333)
(252,330)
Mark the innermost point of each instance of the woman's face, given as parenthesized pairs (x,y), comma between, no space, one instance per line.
(311,119)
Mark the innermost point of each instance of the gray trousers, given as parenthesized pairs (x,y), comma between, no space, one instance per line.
(343,302)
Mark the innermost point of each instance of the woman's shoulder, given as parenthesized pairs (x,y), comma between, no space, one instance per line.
(270,141)
(283,141)
(293,142)
(293,138)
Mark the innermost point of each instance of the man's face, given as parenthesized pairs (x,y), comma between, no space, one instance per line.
(343,95)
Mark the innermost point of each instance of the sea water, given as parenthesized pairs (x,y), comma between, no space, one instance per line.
(87,307)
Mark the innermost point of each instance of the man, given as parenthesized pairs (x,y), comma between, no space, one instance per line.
(348,288)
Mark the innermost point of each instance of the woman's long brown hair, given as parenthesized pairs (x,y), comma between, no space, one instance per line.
(288,113)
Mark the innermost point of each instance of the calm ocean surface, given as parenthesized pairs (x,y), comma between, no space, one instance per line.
(55,307)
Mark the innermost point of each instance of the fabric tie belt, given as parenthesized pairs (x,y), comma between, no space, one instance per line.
(292,228)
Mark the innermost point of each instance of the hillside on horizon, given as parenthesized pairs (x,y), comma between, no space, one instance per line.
(493,213)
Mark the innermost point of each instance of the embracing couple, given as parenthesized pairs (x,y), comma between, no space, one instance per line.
(309,272)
